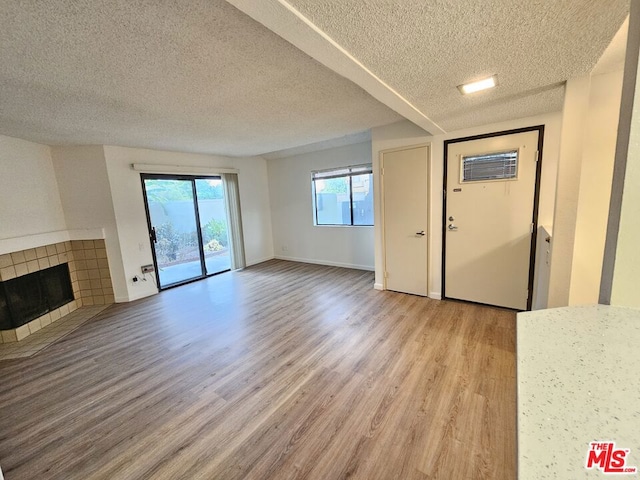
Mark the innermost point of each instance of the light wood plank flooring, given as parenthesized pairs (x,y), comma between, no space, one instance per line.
(281,371)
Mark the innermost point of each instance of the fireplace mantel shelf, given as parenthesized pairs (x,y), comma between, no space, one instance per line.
(10,245)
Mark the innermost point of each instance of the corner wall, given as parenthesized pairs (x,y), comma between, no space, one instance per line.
(85,193)
(621,271)
(295,235)
(29,195)
(596,173)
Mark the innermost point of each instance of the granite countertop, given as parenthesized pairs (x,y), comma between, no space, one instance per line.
(578,382)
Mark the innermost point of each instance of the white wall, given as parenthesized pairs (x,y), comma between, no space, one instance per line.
(596,172)
(587,153)
(29,196)
(626,273)
(406,134)
(85,193)
(574,120)
(128,204)
(295,236)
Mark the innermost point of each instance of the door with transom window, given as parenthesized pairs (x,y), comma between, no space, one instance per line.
(490,212)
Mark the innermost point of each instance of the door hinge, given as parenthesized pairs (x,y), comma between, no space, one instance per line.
(537,155)
(386,274)
(381,171)
(531,228)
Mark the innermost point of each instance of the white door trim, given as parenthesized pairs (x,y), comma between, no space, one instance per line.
(381,154)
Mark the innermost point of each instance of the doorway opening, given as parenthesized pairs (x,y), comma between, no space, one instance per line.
(188,222)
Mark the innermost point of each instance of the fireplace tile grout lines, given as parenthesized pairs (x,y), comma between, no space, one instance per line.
(88,268)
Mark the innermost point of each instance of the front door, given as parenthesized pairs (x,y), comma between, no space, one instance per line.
(404,197)
(489,218)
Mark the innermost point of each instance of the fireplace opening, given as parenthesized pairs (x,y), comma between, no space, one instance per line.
(30,296)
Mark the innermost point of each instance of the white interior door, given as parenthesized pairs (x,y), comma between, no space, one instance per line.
(490,195)
(404,198)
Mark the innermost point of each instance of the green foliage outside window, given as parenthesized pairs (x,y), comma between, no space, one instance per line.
(162,191)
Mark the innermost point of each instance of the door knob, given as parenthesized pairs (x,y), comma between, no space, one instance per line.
(452,227)
(421,233)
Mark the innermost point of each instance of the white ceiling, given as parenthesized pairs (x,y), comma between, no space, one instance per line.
(201,76)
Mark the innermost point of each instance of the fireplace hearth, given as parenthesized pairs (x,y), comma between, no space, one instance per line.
(30,296)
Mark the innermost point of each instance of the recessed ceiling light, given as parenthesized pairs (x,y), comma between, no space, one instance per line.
(479,85)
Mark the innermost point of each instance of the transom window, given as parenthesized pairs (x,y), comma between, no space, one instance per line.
(490,166)
(343,196)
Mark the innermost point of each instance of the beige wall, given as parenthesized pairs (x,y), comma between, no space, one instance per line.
(85,193)
(29,195)
(587,154)
(625,289)
(596,171)
(295,235)
(574,115)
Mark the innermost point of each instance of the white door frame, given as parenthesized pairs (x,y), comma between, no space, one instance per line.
(382,209)
(536,200)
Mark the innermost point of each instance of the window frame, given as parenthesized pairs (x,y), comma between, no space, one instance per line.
(463,181)
(345,172)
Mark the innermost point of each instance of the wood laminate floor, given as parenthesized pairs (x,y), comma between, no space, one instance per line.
(281,371)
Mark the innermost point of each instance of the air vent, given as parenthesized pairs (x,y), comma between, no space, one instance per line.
(490,166)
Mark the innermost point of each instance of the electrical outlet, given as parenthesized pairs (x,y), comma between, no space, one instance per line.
(147,268)
(285,248)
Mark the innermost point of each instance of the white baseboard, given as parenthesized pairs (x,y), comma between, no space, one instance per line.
(435,295)
(326,262)
(261,260)
(378,286)
(133,298)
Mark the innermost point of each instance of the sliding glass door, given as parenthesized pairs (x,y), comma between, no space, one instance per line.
(213,224)
(187,221)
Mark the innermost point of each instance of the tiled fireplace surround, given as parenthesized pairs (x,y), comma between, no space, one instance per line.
(88,268)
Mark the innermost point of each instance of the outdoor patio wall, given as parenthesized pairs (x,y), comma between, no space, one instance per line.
(128,205)
(406,134)
(295,236)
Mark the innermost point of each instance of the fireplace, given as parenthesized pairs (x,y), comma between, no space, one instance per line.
(30,296)
(82,263)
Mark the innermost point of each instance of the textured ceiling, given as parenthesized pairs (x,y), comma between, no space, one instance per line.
(424,49)
(188,75)
(201,76)
(362,137)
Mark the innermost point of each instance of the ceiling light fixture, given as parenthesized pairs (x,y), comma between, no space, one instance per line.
(483,84)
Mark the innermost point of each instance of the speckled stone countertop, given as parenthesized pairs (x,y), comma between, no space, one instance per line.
(578,382)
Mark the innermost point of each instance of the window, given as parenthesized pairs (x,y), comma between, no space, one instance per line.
(343,196)
(490,166)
